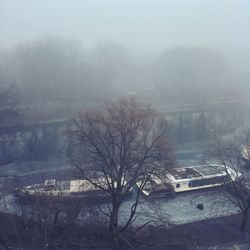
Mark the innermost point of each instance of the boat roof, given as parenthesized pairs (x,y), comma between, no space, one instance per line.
(197,171)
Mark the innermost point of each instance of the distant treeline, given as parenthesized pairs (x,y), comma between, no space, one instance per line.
(54,70)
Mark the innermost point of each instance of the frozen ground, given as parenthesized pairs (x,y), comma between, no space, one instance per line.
(176,209)
(182,208)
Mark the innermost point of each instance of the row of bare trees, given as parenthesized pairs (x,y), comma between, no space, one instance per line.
(53,69)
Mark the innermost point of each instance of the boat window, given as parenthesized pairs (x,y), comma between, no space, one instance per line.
(210,181)
(178,185)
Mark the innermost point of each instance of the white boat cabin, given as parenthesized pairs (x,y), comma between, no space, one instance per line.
(189,178)
(201,176)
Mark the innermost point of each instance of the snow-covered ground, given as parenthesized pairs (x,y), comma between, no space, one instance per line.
(182,208)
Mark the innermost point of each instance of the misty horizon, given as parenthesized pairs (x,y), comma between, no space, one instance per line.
(181,51)
(141,26)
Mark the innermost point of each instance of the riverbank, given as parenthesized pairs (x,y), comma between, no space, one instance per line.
(17,232)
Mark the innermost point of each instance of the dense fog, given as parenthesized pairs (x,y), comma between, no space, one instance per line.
(168,52)
(52,69)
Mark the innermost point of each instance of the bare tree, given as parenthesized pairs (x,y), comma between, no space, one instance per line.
(122,144)
(9,118)
(227,150)
(42,223)
(9,126)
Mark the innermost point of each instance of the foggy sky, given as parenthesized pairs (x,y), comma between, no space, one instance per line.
(139,25)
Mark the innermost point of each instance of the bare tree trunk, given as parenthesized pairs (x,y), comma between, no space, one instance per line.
(244,221)
(113,225)
(2,242)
